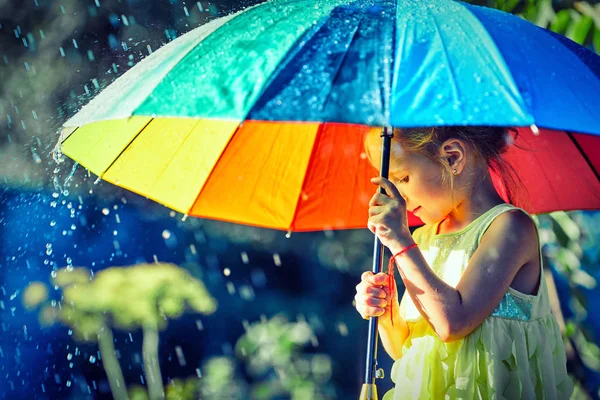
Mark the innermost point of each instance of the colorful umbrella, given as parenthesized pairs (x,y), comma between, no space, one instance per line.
(259,117)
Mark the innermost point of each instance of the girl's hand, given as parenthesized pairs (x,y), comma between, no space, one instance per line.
(387,216)
(374,297)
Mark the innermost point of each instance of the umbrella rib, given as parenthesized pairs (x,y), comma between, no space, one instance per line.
(453,81)
(125,148)
(583,154)
(211,173)
(339,69)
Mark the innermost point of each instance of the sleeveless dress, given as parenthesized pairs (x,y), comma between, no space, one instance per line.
(516,353)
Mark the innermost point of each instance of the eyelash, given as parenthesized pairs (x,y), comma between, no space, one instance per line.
(405,179)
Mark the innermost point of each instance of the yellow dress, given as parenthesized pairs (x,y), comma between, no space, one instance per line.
(516,353)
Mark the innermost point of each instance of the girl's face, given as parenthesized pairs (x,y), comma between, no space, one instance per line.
(419,180)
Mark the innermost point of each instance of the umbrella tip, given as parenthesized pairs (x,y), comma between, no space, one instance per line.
(288,234)
(534,129)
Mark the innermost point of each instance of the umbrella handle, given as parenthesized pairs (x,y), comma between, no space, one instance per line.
(369,390)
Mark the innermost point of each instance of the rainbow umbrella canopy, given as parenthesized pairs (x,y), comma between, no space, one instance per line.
(259,117)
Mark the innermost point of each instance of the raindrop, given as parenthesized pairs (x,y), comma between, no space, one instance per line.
(199,325)
(69,356)
(180,357)
(36,157)
(245,258)
(166,234)
(343,329)
(230,288)
(75,44)
(92,359)
(198,372)
(105,211)
(52,223)
(226,272)
(277,260)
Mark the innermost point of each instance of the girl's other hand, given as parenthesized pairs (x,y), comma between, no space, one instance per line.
(374,297)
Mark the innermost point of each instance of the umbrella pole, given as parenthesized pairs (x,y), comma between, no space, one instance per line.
(369,390)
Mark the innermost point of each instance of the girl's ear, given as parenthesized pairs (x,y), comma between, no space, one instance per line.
(454,152)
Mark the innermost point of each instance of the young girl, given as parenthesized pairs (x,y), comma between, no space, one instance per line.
(475,320)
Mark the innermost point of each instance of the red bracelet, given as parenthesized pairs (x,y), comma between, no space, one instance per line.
(391,281)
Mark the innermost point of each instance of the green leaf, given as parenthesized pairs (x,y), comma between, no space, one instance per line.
(561,22)
(596,39)
(579,30)
(544,13)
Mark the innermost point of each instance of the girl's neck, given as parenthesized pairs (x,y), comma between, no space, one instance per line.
(478,198)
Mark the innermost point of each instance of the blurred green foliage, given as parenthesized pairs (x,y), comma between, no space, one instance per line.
(142,296)
(577,20)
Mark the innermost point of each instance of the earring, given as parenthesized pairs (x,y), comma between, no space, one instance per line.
(454,171)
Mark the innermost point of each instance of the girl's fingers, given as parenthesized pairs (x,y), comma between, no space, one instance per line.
(373,312)
(366,290)
(366,301)
(380,279)
(379,199)
(375,292)
(390,188)
(376,210)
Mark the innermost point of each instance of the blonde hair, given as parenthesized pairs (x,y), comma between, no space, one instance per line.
(488,142)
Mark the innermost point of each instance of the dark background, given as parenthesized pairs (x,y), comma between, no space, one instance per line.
(54,57)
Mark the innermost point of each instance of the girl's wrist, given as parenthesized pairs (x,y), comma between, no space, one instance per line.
(401,243)
(386,324)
